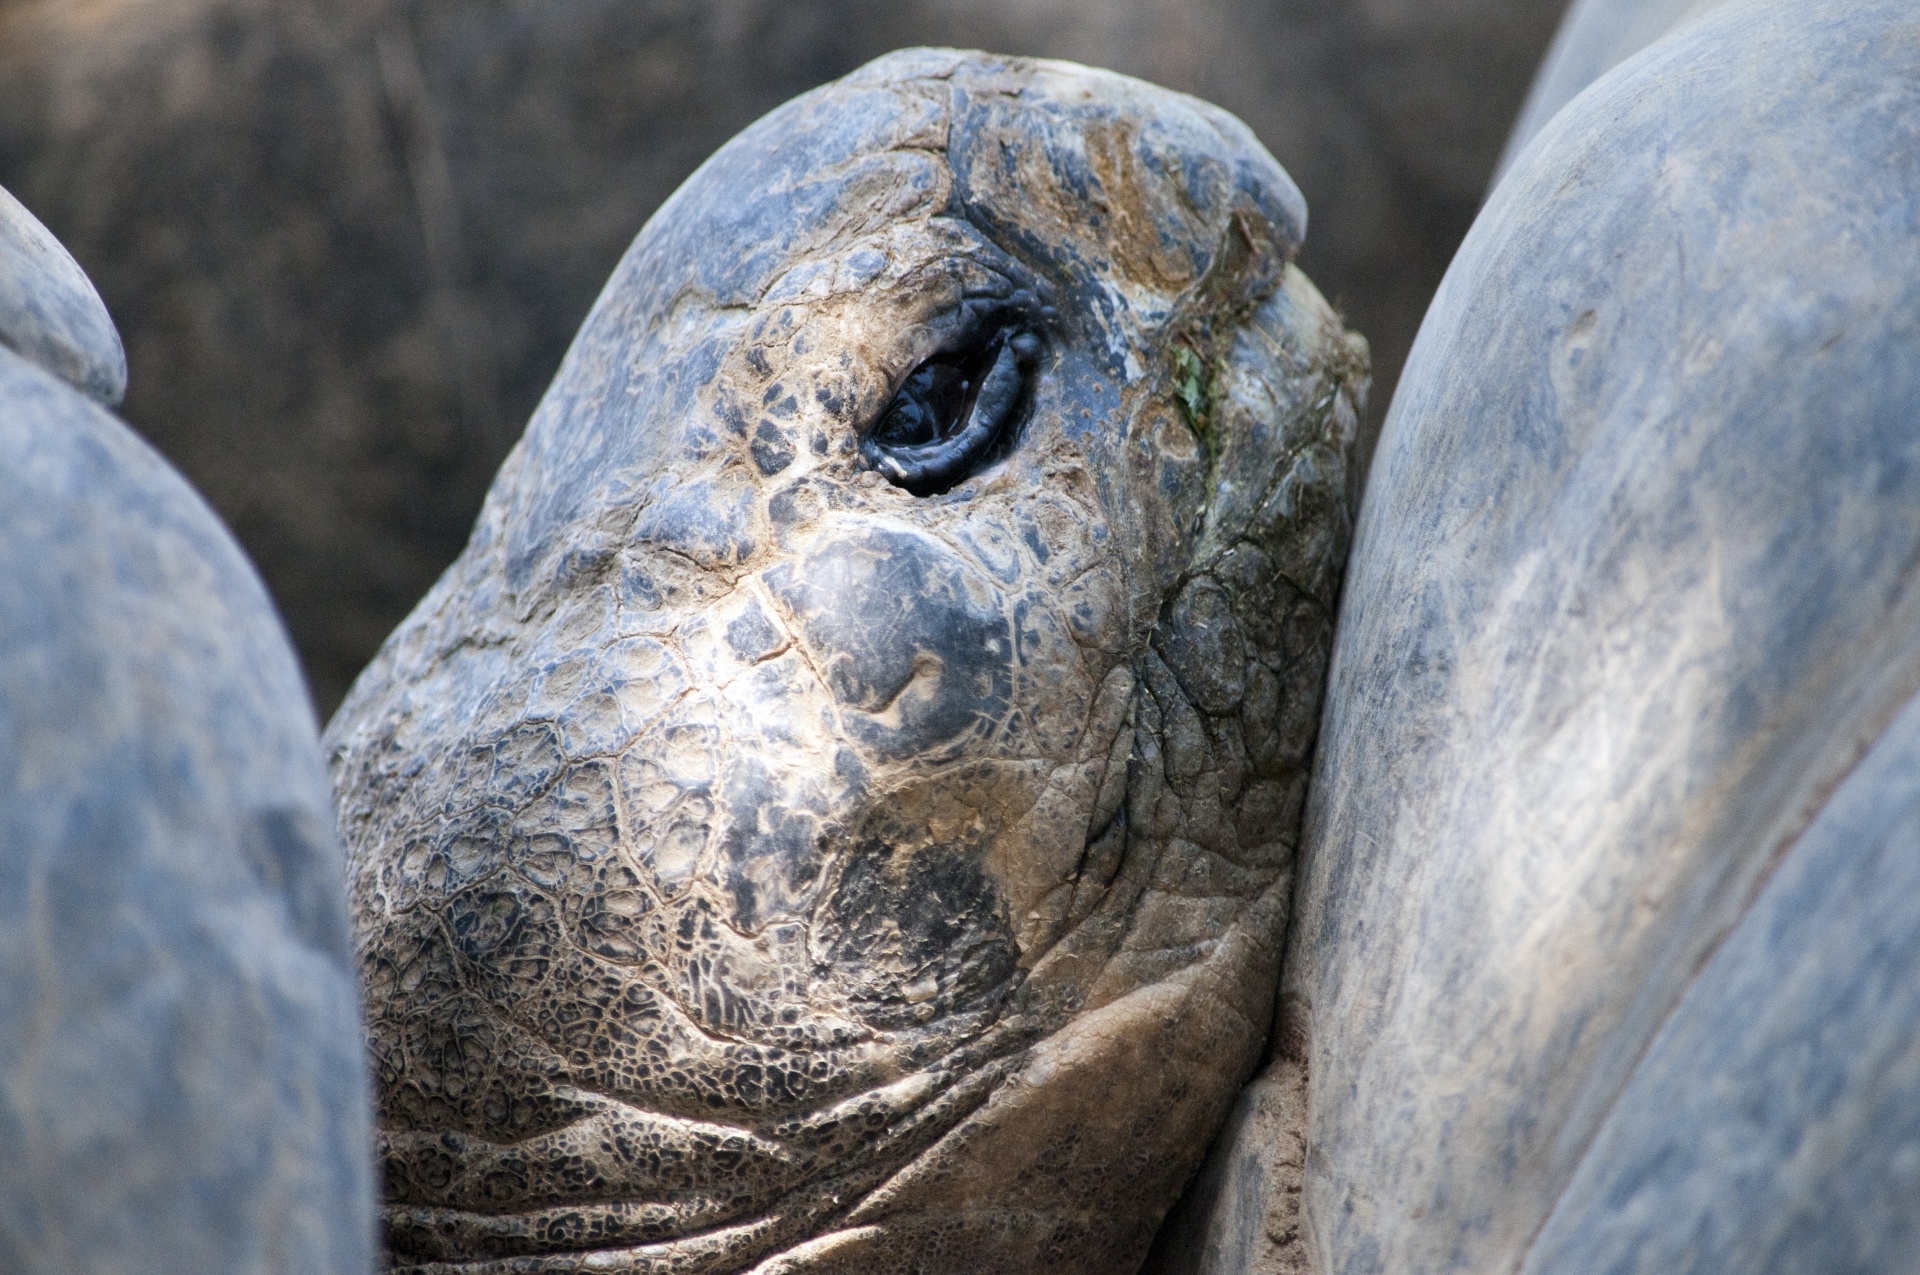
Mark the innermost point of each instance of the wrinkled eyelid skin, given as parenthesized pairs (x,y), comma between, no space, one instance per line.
(977,422)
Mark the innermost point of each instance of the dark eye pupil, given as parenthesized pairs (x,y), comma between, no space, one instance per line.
(930,408)
(954,414)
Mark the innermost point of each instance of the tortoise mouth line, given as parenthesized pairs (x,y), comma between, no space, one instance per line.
(660,1207)
(432,1237)
(699,1249)
(615,1176)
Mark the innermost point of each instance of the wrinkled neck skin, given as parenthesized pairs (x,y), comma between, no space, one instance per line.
(759,866)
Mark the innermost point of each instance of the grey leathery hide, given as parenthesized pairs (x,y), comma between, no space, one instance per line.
(1599,958)
(49,311)
(182,1077)
(1594,37)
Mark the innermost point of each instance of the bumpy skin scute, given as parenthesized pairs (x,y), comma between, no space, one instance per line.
(755,863)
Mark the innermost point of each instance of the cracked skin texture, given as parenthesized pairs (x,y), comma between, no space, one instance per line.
(756,866)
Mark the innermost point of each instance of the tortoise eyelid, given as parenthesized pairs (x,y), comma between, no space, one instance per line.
(967,430)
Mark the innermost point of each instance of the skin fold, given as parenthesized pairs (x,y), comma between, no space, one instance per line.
(764,856)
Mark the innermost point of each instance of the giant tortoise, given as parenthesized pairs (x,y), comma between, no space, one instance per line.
(838,813)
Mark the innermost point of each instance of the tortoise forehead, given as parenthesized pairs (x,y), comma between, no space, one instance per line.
(770,307)
(1081,168)
(1103,178)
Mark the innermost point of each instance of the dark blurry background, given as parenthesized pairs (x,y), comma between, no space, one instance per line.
(347,241)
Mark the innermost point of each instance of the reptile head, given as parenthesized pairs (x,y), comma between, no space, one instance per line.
(838,812)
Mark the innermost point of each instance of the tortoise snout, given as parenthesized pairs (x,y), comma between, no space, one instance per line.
(914,642)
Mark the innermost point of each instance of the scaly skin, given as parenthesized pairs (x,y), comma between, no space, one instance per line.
(758,866)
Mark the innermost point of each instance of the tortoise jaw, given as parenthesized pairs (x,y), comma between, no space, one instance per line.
(619,1177)
(634,1186)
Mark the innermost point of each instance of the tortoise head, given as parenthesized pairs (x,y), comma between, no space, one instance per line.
(840,806)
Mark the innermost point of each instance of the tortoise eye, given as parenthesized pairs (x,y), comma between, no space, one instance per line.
(954,414)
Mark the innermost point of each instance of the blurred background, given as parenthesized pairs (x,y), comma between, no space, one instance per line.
(347,241)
